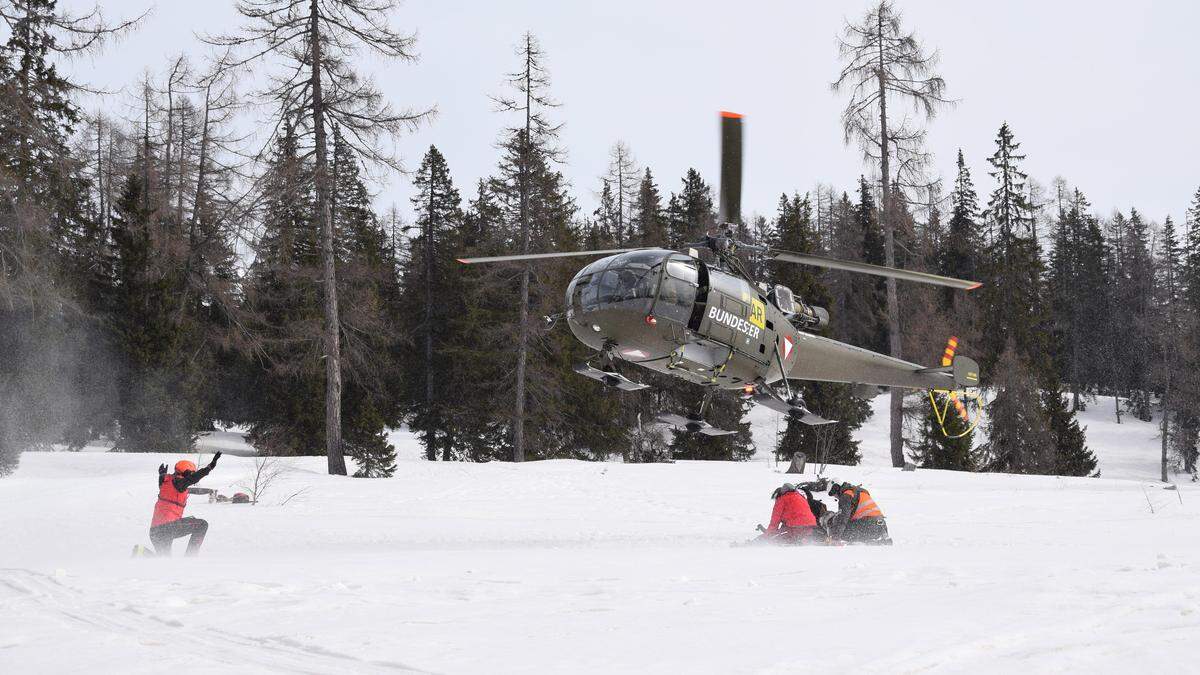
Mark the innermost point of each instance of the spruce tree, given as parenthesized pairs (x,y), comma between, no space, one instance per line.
(1013,308)
(431,285)
(946,444)
(649,222)
(281,286)
(689,211)
(370,285)
(871,299)
(1131,313)
(528,151)
(1071,456)
(1020,439)
(963,247)
(160,410)
(1078,288)
(1167,333)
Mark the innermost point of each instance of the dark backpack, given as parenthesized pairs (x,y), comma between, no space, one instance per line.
(816,505)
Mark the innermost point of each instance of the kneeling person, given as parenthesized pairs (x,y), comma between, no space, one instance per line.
(859,518)
(168,523)
(792,520)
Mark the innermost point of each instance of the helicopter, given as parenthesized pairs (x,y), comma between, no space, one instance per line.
(713,324)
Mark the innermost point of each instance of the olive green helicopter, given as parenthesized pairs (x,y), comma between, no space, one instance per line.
(713,324)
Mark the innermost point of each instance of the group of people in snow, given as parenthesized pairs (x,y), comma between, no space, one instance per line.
(799,517)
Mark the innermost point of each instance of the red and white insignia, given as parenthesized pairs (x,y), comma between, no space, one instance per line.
(787,346)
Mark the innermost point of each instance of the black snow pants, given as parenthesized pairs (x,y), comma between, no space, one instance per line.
(867,530)
(162,535)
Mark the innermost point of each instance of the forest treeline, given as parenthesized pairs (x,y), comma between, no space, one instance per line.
(159,276)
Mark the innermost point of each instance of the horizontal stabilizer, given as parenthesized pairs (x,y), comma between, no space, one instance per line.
(966,371)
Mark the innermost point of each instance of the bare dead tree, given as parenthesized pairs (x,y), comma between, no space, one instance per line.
(315,42)
(263,477)
(883,63)
(624,177)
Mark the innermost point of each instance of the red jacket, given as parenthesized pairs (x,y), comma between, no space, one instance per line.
(791,509)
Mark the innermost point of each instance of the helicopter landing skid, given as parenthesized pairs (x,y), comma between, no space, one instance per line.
(768,398)
(693,425)
(609,378)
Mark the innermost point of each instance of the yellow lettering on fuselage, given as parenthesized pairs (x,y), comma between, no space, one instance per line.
(758,313)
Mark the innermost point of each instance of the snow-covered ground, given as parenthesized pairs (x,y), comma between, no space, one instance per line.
(566,566)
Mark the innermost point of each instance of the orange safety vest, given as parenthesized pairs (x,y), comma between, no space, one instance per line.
(866,506)
(170,504)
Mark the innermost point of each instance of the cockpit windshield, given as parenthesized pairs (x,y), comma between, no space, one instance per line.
(630,281)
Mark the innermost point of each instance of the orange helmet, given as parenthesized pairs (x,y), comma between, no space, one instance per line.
(185,466)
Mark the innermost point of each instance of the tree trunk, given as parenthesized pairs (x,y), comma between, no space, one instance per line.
(333,350)
(182,169)
(1166,429)
(896,408)
(523,328)
(431,442)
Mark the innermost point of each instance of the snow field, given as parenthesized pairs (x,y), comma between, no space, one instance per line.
(570,566)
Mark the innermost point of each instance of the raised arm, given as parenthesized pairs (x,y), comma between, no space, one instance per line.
(184,482)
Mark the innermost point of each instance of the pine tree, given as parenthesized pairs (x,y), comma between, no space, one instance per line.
(1020,439)
(430,284)
(1071,456)
(870,291)
(1078,289)
(481,339)
(602,231)
(946,444)
(1131,317)
(369,283)
(1013,304)
(690,211)
(649,223)
(528,152)
(160,410)
(963,247)
(1185,444)
(1167,334)
(281,287)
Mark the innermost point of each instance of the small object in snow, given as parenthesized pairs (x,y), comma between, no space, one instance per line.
(241,498)
(798,461)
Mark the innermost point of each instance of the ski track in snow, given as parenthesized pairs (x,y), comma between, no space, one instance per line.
(571,566)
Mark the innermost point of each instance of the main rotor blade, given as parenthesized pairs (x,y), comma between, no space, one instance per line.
(877,270)
(731,168)
(542,256)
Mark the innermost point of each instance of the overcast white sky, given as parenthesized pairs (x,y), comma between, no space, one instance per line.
(1105,94)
